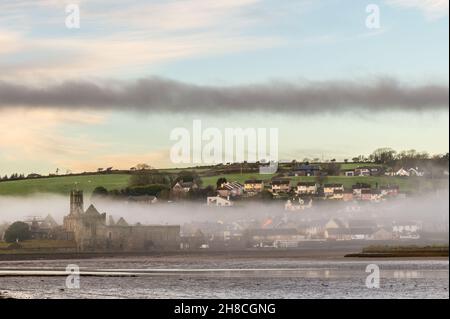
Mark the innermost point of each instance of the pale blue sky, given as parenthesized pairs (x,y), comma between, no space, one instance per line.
(216,43)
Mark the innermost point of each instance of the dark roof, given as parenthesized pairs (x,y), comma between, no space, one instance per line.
(121,222)
(333,185)
(187,184)
(253,181)
(92,210)
(306,184)
(305,167)
(50,221)
(361,185)
(280,182)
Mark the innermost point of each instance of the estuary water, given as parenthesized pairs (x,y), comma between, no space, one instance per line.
(225,277)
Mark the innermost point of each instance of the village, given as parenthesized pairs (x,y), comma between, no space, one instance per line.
(301,195)
(319,214)
(303,204)
(90,231)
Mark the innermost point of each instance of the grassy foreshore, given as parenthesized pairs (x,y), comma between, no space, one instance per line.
(403,251)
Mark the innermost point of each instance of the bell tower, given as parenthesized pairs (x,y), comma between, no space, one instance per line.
(76,202)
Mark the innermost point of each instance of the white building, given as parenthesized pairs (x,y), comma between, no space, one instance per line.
(218,201)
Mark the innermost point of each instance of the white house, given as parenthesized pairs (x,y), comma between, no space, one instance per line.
(306,188)
(415,172)
(335,223)
(402,172)
(218,201)
(406,230)
(230,189)
(184,187)
(278,186)
(300,205)
(330,189)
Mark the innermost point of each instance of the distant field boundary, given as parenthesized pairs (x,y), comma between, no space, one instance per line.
(402,251)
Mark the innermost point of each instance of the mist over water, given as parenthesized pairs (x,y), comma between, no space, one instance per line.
(314,275)
(431,209)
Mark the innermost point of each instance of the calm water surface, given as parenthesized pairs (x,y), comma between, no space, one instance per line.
(178,277)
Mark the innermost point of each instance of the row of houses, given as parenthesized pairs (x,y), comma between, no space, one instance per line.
(407,172)
(332,230)
(336,229)
(302,193)
(283,232)
(367,170)
(380,171)
(331,191)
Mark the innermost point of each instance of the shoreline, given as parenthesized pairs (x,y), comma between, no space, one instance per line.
(235,254)
(398,255)
(402,251)
(303,253)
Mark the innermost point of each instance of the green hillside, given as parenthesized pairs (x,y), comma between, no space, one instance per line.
(63,184)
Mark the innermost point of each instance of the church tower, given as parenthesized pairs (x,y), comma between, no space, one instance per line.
(76,202)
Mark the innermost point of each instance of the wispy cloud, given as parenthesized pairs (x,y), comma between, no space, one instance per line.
(163,95)
(72,58)
(433,9)
(38,135)
(118,37)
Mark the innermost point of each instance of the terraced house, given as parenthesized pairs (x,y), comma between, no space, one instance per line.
(253,186)
(280,186)
(330,189)
(306,188)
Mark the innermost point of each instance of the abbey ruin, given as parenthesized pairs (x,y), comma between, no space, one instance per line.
(92,232)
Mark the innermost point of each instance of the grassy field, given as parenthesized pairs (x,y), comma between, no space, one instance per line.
(87,183)
(37,245)
(63,184)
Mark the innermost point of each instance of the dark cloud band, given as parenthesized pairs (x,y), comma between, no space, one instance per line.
(162,95)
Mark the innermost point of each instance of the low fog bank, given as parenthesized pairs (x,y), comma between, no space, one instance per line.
(429,209)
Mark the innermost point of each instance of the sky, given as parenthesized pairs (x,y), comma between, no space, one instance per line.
(110,92)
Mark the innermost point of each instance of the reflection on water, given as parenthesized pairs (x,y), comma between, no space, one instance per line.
(225,278)
(408,274)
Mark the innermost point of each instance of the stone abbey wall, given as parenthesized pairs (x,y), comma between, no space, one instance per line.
(91,233)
